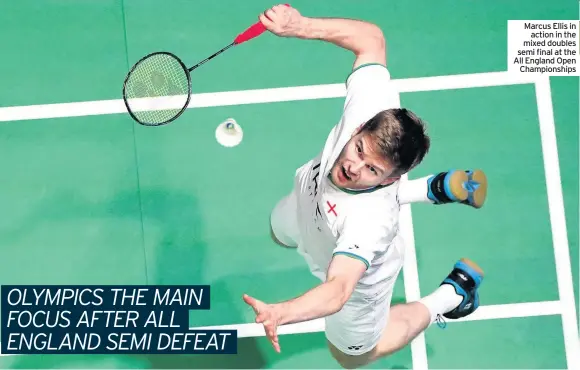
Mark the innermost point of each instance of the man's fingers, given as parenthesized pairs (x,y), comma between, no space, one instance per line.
(264,317)
(249,300)
(273,337)
(271,15)
(266,22)
(275,343)
(252,302)
(270,330)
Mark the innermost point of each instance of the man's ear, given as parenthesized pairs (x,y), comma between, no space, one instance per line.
(357,131)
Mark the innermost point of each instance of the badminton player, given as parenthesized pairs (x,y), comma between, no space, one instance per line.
(342,215)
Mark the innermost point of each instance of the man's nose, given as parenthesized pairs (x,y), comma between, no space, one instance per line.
(357,167)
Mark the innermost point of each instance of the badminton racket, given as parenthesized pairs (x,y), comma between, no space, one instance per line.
(157,89)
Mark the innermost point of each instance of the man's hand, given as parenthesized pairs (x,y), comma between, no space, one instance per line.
(267,315)
(283,21)
(320,301)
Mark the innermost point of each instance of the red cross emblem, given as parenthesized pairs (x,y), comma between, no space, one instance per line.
(331,208)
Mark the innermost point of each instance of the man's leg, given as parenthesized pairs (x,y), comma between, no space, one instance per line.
(456,297)
(285,232)
(284,223)
(406,321)
(454,186)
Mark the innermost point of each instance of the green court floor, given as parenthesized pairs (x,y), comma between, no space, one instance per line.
(100,200)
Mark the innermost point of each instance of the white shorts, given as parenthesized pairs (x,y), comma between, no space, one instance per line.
(359,325)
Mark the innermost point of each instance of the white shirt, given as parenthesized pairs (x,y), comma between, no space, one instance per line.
(331,220)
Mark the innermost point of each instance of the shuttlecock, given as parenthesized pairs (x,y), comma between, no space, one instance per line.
(229,133)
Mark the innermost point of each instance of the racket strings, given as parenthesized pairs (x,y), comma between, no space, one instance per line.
(162,79)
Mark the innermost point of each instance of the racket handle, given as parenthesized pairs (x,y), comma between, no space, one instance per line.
(254,30)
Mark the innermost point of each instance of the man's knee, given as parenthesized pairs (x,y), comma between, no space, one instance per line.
(276,240)
(283,225)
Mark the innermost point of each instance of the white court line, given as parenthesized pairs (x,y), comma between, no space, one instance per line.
(411,281)
(514,310)
(558,221)
(490,312)
(228,98)
(461,81)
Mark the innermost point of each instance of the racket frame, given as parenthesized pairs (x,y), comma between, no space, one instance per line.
(187,73)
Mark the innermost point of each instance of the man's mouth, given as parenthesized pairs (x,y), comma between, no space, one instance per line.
(344,174)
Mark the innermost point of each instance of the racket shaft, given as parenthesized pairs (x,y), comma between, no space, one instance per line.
(211,57)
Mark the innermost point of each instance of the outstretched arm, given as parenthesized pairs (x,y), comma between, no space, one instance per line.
(328,298)
(364,39)
(321,301)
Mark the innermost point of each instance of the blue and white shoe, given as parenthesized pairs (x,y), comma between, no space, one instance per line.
(458,186)
(465,278)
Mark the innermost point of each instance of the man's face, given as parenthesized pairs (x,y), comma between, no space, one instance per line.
(360,165)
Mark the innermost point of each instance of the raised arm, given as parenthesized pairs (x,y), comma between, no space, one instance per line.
(364,39)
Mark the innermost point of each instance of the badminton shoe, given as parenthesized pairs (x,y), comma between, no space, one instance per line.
(458,186)
(466,277)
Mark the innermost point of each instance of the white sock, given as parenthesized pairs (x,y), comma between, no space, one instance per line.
(441,301)
(414,191)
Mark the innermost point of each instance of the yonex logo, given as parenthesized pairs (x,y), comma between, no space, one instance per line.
(462,276)
(355,347)
(468,306)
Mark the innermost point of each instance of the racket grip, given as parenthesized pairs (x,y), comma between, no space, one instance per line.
(254,30)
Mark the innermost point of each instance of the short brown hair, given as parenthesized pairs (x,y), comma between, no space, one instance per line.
(400,136)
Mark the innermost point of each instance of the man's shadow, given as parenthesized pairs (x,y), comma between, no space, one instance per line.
(173,237)
(176,252)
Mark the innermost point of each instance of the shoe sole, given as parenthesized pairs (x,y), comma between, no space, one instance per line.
(456,181)
(473,265)
(480,194)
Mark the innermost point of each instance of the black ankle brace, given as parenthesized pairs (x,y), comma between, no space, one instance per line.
(438,188)
(462,279)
